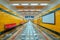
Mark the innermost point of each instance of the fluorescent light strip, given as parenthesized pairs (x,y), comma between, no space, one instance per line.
(44,4)
(34,4)
(24,4)
(15,4)
(19,10)
(30,10)
(26,10)
(38,10)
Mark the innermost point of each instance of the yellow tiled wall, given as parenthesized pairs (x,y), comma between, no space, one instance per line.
(55,27)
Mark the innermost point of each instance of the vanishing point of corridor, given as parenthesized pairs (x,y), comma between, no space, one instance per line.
(29,19)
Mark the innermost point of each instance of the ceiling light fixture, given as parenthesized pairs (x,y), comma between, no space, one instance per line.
(37,10)
(44,4)
(15,4)
(19,10)
(24,4)
(34,4)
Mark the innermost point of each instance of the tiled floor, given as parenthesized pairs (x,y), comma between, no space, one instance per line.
(30,33)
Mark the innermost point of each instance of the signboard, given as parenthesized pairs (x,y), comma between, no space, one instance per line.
(29,16)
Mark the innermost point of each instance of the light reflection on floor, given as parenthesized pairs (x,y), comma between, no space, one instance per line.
(29,33)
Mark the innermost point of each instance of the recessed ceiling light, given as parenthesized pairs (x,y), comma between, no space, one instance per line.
(19,10)
(34,4)
(44,4)
(15,4)
(32,10)
(24,4)
(38,10)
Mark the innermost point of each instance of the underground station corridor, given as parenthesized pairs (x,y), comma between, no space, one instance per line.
(30,33)
(29,19)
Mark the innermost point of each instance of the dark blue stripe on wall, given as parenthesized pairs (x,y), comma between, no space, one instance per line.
(8,12)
